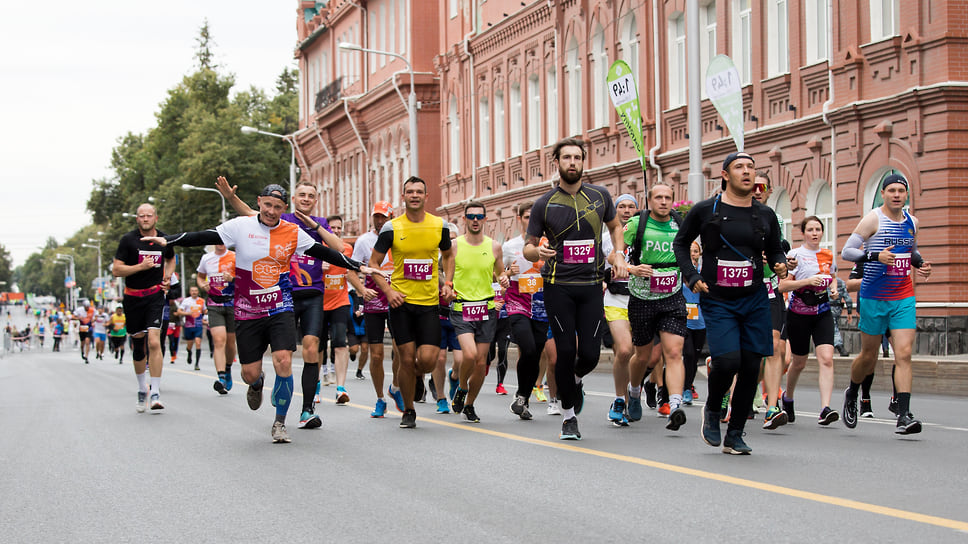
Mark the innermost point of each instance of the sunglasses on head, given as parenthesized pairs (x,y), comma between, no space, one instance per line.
(474,216)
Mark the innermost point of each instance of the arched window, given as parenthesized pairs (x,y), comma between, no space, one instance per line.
(499,128)
(454,121)
(484,132)
(551,105)
(573,77)
(514,110)
(780,201)
(872,195)
(820,204)
(599,66)
(534,112)
(630,43)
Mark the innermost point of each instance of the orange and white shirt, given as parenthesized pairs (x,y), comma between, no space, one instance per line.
(262,254)
(219,270)
(337,294)
(194,307)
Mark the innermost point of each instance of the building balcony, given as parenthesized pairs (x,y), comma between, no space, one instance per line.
(329,94)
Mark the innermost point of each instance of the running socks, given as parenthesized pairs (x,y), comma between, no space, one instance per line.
(198,356)
(155,385)
(309,380)
(281,396)
(854,387)
(903,403)
(866,385)
(567,413)
(142,381)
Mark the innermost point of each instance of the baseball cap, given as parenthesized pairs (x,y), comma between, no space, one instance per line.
(894,178)
(732,157)
(383,208)
(276,190)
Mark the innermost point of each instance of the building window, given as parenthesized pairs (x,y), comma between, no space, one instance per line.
(484,132)
(873,192)
(630,43)
(573,77)
(499,127)
(677,60)
(780,201)
(383,34)
(392,28)
(743,40)
(453,8)
(777,34)
(454,136)
(515,118)
(707,43)
(599,66)
(820,204)
(885,19)
(404,25)
(371,33)
(551,105)
(816,29)
(534,112)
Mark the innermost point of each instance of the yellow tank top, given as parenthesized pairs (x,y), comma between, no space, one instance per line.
(474,272)
(415,255)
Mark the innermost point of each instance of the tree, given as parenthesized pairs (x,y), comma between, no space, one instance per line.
(6,269)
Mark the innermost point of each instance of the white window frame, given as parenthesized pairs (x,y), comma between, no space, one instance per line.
(453,8)
(820,204)
(742,46)
(599,66)
(551,105)
(573,74)
(707,45)
(677,60)
(885,19)
(534,112)
(500,148)
(484,132)
(630,43)
(816,25)
(453,118)
(778,37)
(514,115)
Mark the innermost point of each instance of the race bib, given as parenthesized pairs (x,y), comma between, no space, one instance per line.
(530,283)
(692,311)
(734,273)
(902,265)
(264,300)
(474,311)
(827,280)
(663,282)
(769,287)
(153,255)
(579,251)
(418,269)
(336,282)
(83,328)
(217,281)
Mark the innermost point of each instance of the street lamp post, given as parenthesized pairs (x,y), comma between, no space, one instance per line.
(292,162)
(411,101)
(71,291)
(100,282)
(189,187)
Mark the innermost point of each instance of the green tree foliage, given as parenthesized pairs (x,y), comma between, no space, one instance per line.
(6,270)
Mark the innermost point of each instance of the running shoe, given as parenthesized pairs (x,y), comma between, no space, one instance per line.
(469,414)
(695,394)
(196,367)
(709,430)
(397,398)
(554,407)
(906,424)
(539,394)
(342,397)
(458,405)
(650,394)
(279,433)
(454,383)
(664,410)
(254,396)
(634,405)
(850,409)
(380,409)
(892,406)
(775,418)
(580,398)
(865,408)
(332,378)
(734,444)
(788,408)
(520,407)
(142,401)
(228,378)
(616,413)
(309,420)
(359,374)
(442,406)
(828,416)
(409,419)
(500,390)
(569,429)
(676,419)
(324,378)
(219,386)
(687,397)
(156,402)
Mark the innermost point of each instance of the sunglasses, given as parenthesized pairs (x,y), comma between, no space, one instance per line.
(761,187)
(474,216)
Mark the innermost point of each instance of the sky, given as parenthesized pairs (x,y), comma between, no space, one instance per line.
(76,76)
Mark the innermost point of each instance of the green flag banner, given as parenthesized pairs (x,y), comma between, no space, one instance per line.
(625,96)
(724,89)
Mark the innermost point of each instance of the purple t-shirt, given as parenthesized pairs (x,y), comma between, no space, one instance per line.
(305,272)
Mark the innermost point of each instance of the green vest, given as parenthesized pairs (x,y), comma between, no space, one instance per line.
(473,272)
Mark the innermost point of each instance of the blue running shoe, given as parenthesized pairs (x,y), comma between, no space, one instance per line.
(397,398)
(442,407)
(228,378)
(380,410)
(634,407)
(616,414)
(454,382)
(687,397)
(309,420)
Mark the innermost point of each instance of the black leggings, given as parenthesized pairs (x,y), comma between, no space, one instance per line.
(691,352)
(745,365)
(499,348)
(575,310)
(530,336)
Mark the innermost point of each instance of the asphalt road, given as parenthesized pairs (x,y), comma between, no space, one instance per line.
(78,464)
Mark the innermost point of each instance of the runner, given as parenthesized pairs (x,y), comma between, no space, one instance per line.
(146,267)
(99,329)
(216,276)
(84,317)
(376,312)
(336,313)
(657,305)
(696,335)
(118,334)
(191,309)
(414,238)
(356,334)
(477,261)
(448,342)
(735,231)
(616,301)
(889,236)
(809,317)
(264,245)
(572,216)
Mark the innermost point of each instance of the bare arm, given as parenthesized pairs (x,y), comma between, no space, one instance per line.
(446,291)
(617,258)
(500,273)
(121,270)
(233,199)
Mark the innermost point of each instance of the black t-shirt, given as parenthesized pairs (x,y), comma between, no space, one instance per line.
(131,251)
(749,243)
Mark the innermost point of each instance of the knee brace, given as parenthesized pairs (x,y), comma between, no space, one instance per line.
(138,350)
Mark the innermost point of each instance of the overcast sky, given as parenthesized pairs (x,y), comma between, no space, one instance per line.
(75,76)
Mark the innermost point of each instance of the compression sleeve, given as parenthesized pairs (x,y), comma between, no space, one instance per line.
(444,239)
(774,248)
(194,239)
(852,249)
(332,256)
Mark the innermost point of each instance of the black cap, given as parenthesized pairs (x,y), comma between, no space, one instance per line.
(894,178)
(276,190)
(732,157)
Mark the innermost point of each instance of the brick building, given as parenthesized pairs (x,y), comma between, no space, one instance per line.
(883,82)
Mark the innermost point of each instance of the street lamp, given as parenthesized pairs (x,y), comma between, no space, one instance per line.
(189,187)
(71,290)
(411,102)
(100,280)
(292,162)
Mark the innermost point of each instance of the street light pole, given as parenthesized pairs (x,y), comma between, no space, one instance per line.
(72,291)
(411,101)
(189,187)
(292,162)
